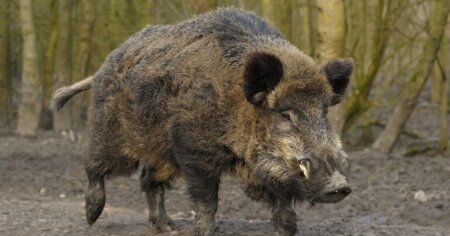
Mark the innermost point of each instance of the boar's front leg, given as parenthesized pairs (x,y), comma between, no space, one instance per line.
(204,193)
(284,219)
(154,191)
(203,188)
(201,164)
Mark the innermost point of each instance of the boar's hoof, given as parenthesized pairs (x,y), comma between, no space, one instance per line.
(285,224)
(162,224)
(95,202)
(285,233)
(211,231)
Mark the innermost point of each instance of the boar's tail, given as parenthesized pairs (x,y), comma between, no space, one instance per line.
(64,94)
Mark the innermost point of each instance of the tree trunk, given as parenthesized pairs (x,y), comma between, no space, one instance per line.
(49,52)
(31,90)
(443,65)
(295,19)
(100,48)
(331,43)
(443,108)
(357,102)
(298,36)
(311,27)
(436,84)
(62,72)
(117,32)
(48,65)
(279,12)
(5,88)
(436,22)
(82,60)
(330,29)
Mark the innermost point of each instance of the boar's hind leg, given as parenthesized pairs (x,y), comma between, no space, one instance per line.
(154,191)
(97,167)
(284,219)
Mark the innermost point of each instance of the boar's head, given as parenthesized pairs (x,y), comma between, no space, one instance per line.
(294,146)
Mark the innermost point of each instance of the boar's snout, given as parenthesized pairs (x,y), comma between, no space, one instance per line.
(336,195)
(337,189)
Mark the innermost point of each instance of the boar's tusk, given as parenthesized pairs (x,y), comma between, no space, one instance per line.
(304,166)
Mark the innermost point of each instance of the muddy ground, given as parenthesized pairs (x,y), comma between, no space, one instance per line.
(42,183)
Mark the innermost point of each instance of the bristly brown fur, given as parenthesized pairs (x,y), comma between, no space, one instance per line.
(221,93)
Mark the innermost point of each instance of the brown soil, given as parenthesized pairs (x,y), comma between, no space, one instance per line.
(42,183)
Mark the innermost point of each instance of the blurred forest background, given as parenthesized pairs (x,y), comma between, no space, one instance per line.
(400,48)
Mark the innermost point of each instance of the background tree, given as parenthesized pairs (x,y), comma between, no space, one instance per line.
(444,93)
(45,18)
(31,89)
(5,79)
(50,51)
(414,85)
(330,29)
(63,55)
(82,57)
(358,101)
(279,12)
(331,35)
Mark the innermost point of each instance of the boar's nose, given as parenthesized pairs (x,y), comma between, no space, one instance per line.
(336,195)
(337,189)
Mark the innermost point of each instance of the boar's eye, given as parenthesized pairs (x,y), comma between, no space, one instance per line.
(286,115)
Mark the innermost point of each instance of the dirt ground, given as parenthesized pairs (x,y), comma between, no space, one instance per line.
(42,182)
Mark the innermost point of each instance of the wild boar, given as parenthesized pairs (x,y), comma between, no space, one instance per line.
(222,93)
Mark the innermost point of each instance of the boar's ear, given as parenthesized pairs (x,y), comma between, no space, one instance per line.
(262,73)
(338,74)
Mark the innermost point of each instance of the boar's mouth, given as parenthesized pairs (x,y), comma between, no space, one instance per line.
(333,196)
